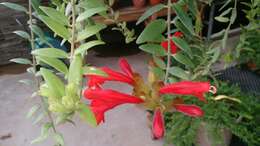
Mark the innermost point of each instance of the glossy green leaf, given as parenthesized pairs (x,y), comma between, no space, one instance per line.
(55,15)
(22,34)
(182,28)
(14,6)
(184,17)
(37,30)
(183,45)
(36,7)
(90,12)
(89,31)
(50,52)
(55,63)
(179,72)
(153,49)
(150,12)
(153,32)
(21,61)
(59,139)
(87,115)
(56,27)
(84,47)
(180,57)
(44,133)
(55,84)
(32,111)
(93,71)
(75,70)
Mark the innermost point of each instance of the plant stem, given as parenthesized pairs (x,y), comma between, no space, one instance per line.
(72,49)
(37,80)
(169,40)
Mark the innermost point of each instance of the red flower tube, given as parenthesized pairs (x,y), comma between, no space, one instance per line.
(189,88)
(104,100)
(158,124)
(190,110)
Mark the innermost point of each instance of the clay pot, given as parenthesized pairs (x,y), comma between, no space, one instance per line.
(204,138)
(154,2)
(139,3)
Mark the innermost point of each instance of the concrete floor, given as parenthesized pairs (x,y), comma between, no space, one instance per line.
(125,126)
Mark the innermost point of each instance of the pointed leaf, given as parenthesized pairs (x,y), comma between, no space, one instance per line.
(178,72)
(153,32)
(222,19)
(84,47)
(182,45)
(53,82)
(180,57)
(56,27)
(89,31)
(154,49)
(59,139)
(21,61)
(150,12)
(32,111)
(90,12)
(55,15)
(87,115)
(22,34)
(14,6)
(75,70)
(50,52)
(55,63)
(44,133)
(93,71)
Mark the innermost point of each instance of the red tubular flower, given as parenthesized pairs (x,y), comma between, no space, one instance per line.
(189,88)
(190,110)
(174,48)
(104,100)
(96,81)
(158,124)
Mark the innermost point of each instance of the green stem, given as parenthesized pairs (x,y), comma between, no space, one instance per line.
(169,40)
(37,80)
(73,25)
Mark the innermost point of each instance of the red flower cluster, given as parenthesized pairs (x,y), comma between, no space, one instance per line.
(174,48)
(103,100)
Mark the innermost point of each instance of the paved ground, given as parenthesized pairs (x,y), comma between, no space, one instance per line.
(124,126)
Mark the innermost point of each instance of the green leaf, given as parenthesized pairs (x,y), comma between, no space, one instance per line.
(21,61)
(55,15)
(32,111)
(38,31)
(75,70)
(22,34)
(183,59)
(154,49)
(222,19)
(55,26)
(90,12)
(182,28)
(14,6)
(150,12)
(179,72)
(184,17)
(44,133)
(159,73)
(50,52)
(55,63)
(84,47)
(59,139)
(93,71)
(87,115)
(39,118)
(159,62)
(55,85)
(89,31)
(183,45)
(226,12)
(153,32)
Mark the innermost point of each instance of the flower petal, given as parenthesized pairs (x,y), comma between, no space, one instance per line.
(190,110)
(158,124)
(125,67)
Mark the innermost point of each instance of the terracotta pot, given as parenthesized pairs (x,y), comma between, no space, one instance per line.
(204,139)
(139,3)
(154,2)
